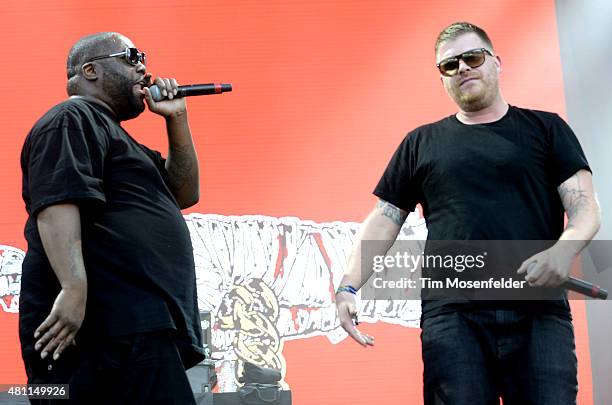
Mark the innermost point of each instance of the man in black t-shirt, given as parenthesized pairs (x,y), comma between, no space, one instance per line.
(489,172)
(108,295)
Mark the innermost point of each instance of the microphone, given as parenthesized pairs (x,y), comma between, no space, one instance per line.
(580,286)
(585,288)
(193,90)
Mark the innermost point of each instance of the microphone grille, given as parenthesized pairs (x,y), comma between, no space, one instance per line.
(155,93)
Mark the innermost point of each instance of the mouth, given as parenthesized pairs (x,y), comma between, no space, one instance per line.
(144,82)
(140,85)
(469,79)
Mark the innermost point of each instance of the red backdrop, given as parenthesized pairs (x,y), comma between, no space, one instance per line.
(323,93)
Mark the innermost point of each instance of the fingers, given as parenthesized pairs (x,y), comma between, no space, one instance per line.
(361,338)
(525,266)
(531,270)
(57,344)
(542,275)
(47,323)
(168,87)
(534,272)
(148,96)
(174,86)
(48,336)
(346,317)
(66,339)
(55,336)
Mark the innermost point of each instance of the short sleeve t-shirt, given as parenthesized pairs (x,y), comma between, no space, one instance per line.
(136,245)
(494,181)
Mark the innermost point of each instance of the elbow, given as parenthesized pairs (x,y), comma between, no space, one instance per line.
(596,214)
(190,201)
(597,218)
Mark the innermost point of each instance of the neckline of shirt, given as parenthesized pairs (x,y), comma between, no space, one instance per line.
(502,120)
(99,107)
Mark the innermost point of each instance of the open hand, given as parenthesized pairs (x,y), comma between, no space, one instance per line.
(59,329)
(347,311)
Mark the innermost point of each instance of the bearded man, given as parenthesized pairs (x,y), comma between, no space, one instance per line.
(491,171)
(108,294)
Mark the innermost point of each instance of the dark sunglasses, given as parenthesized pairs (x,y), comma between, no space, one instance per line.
(132,55)
(473,58)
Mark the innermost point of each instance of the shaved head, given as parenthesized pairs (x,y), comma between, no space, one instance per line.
(85,49)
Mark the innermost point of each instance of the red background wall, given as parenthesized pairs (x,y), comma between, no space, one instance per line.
(323,93)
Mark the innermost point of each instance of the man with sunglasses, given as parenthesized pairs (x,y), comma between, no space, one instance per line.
(489,172)
(108,298)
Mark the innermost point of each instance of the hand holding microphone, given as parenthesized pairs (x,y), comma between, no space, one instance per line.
(192,90)
(164,97)
(579,286)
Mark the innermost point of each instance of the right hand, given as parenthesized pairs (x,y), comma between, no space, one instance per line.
(347,309)
(59,329)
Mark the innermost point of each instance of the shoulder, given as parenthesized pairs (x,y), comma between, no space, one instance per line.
(60,115)
(545,118)
(70,119)
(428,131)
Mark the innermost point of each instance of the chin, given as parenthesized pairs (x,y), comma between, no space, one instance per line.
(129,114)
(470,102)
(132,110)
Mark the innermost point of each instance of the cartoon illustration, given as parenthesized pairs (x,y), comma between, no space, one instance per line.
(265,280)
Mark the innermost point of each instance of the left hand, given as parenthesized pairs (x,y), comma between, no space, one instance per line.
(169,106)
(549,268)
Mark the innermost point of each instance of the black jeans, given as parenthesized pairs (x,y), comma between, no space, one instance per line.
(476,357)
(144,368)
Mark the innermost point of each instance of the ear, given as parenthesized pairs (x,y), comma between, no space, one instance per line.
(89,71)
(498,63)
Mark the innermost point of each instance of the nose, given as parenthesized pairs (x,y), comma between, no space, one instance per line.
(141,68)
(463,67)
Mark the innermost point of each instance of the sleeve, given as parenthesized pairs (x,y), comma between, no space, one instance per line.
(65,163)
(566,154)
(398,183)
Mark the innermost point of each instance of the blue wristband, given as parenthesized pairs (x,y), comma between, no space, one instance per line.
(346,288)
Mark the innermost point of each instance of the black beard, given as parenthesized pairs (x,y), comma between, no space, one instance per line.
(120,91)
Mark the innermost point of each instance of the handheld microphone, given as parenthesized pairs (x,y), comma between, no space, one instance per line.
(585,288)
(193,90)
(580,286)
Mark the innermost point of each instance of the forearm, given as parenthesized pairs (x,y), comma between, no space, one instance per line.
(582,209)
(580,229)
(182,162)
(59,227)
(383,225)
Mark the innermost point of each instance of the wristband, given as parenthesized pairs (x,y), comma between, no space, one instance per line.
(346,288)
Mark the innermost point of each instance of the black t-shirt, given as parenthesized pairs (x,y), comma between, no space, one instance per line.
(494,181)
(136,245)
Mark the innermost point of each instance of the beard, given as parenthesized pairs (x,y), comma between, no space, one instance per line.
(120,91)
(470,100)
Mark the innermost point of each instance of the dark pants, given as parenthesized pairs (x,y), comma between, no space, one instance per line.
(144,368)
(476,357)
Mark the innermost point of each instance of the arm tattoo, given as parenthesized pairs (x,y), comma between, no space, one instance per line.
(392,212)
(179,171)
(574,198)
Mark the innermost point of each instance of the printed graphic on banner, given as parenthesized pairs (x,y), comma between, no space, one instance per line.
(10,277)
(269,279)
(265,280)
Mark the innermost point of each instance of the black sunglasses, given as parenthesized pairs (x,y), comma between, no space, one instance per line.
(473,58)
(132,55)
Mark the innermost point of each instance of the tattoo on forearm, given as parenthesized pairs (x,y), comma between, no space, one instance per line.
(574,198)
(391,212)
(181,167)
